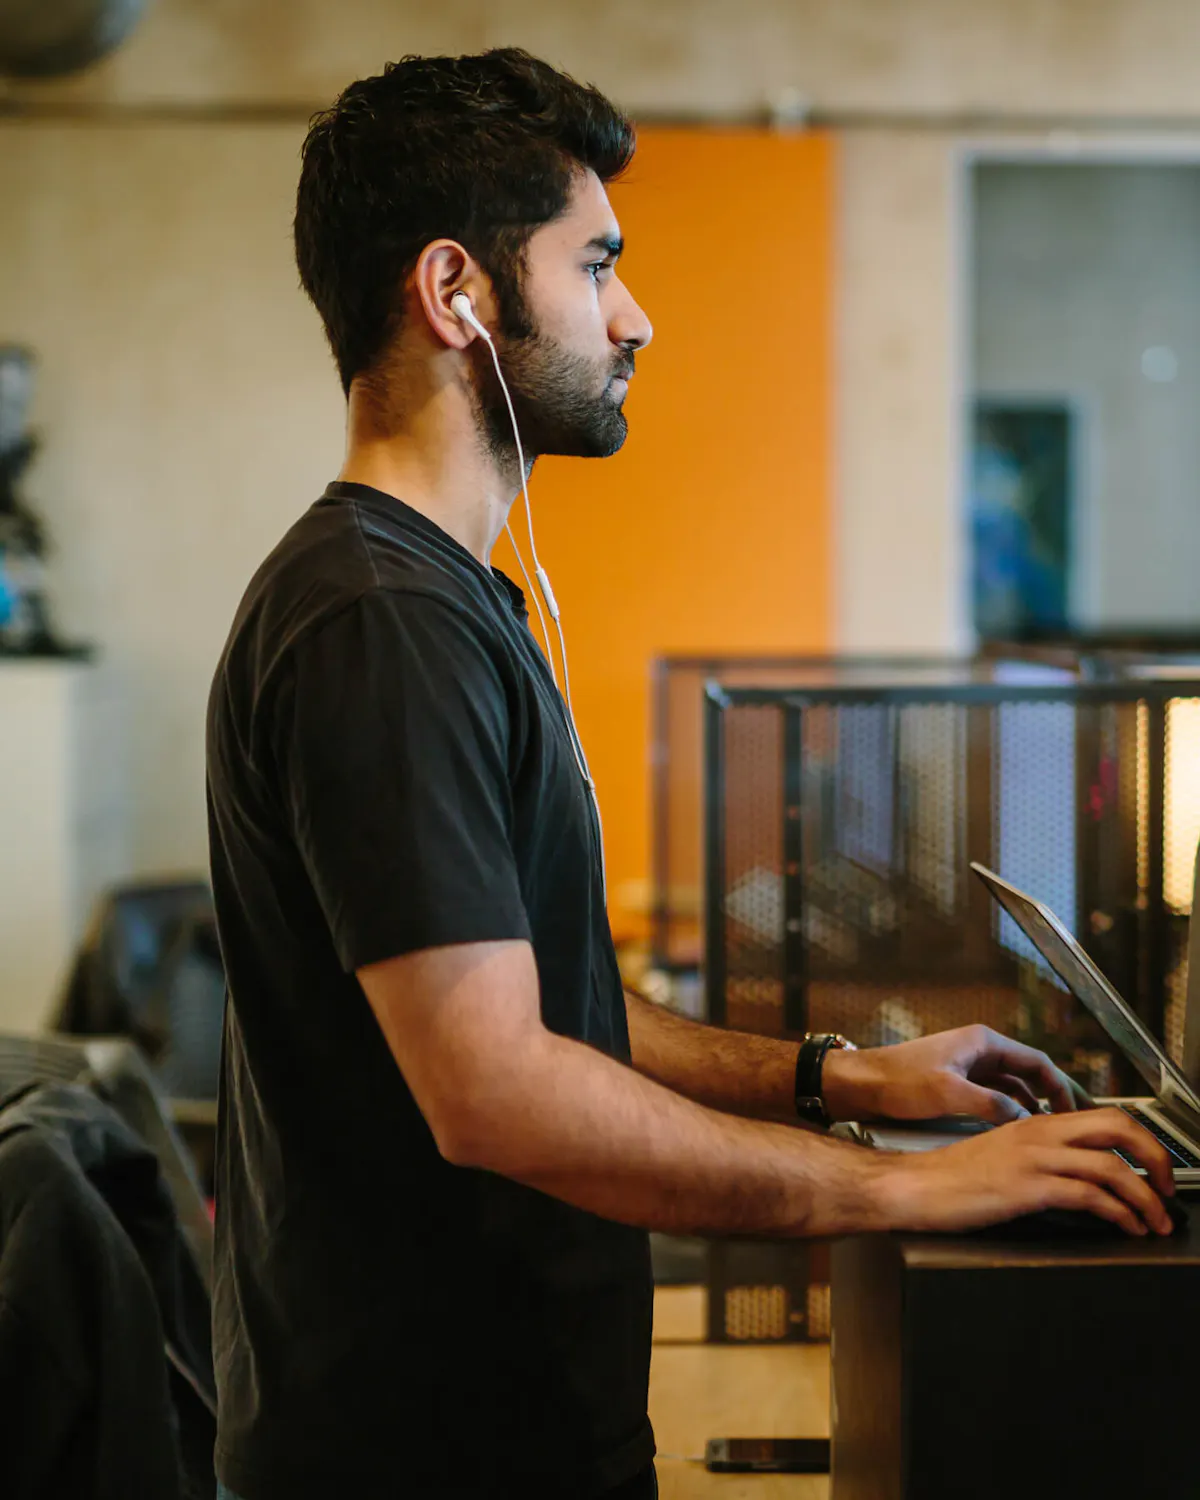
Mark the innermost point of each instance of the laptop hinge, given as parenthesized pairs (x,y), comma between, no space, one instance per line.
(1180,1114)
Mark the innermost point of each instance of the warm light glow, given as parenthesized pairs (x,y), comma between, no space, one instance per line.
(1182,801)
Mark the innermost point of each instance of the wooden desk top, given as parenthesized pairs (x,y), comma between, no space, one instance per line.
(1013,1249)
(700,1390)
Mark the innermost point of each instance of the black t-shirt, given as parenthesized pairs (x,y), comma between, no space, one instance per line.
(390,769)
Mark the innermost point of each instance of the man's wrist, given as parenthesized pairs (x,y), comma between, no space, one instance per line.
(859,1197)
(848,1084)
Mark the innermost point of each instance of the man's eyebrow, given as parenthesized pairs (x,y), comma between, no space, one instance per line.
(607,244)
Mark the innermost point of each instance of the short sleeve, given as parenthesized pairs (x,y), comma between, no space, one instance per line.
(392,747)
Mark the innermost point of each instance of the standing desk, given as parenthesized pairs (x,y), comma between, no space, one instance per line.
(993,1367)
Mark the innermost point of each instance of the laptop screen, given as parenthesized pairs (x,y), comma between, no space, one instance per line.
(1089,986)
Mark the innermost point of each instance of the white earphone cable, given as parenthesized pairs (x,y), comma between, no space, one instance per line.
(538,569)
(533,595)
(546,589)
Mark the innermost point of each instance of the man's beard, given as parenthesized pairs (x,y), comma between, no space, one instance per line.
(563,403)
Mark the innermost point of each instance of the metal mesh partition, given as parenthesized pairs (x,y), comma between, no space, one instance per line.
(840,822)
(1172,660)
(677,772)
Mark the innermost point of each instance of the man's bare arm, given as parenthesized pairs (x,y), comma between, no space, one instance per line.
(732,1071)
(501,1093)
(971,1070)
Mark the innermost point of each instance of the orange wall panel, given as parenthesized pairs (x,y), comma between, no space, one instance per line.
(710,531)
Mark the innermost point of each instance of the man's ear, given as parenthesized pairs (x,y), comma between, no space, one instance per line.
(444,268)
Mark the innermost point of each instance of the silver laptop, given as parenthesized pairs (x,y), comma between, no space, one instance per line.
(1172,1111)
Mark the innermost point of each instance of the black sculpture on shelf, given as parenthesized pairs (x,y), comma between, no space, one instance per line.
(51,38)
(24,622)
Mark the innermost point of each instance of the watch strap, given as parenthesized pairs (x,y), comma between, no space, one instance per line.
(810,1102)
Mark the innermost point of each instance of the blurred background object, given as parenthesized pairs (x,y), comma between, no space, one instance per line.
(47,38)
(24,621)
(1084,384)
(149,968)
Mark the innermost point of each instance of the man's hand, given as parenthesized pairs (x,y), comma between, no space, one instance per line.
(1067,1162)
(971,1071)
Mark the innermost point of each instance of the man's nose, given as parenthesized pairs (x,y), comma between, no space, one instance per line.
(631,328)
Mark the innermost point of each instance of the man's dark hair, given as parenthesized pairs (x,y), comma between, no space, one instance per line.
(480,149)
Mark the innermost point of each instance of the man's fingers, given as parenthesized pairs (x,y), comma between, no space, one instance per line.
(1018,1089)
(1083,1100)
(985,1104)
(1001,1055)
(1111,1173)
(1109,1128)
(1070,1192)
(1059,1089)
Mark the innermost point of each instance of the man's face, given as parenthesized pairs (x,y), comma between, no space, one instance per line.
(567,351)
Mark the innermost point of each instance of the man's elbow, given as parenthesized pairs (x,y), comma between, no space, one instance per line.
(454,1135)
(488,1116)
(468,1136)
(458,1144)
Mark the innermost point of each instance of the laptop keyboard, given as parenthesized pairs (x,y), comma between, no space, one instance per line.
(1180,1155)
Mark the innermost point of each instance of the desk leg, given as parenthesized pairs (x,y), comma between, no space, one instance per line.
(865,1356)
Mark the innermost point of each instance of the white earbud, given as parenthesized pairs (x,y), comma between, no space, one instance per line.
(460,306)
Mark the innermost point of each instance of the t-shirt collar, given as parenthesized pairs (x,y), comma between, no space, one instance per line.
(415,520)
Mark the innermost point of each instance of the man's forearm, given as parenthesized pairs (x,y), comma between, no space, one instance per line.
(583,1128)
(732,1071)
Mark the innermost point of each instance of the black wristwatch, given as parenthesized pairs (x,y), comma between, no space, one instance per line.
(810,1102)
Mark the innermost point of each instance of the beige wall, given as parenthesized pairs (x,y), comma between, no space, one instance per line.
(899,545)
(1108,57)
(186,404)
(149,263)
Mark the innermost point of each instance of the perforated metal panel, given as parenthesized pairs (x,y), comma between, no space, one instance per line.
(845,820)
(756,1313)
(767,1292)
(754,850)
(677,774)
(819,1315)
(841,819)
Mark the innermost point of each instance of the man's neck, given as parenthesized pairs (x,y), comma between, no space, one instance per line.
(437,465)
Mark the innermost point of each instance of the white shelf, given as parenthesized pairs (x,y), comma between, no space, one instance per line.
(59,832)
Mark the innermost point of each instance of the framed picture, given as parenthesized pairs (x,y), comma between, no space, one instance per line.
(1021,502)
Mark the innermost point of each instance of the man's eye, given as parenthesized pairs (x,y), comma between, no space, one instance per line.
(596,267)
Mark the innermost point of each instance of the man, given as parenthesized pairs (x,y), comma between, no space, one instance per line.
(444,1129)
